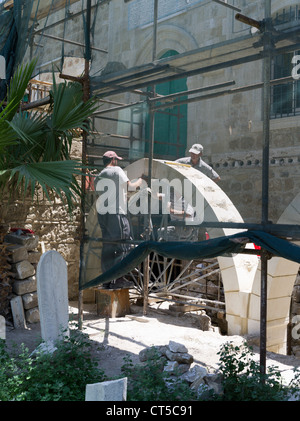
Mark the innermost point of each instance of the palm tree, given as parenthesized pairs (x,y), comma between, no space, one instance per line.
(34,146)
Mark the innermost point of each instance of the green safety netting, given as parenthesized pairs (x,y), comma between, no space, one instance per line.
(27,31)
(198,250)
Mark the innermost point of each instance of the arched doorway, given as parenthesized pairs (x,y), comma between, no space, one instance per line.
(170,124)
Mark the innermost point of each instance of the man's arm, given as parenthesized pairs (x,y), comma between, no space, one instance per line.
(134,184)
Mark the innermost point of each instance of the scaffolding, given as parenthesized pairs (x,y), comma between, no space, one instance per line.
(262,44)
(269,43)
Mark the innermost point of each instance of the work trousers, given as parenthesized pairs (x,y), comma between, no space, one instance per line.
(113,227)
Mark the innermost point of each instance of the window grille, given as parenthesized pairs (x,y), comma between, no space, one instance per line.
(285,97)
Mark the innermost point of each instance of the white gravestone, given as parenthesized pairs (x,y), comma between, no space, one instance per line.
(52,290)
(113,390)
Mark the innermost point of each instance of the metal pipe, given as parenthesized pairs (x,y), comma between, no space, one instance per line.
(199,98)
(248,21)
(224,3)
(193,91)
(263,315)
(68,41)
(150,163)
(86,95)
(223,93)
(267,43)
(155,15)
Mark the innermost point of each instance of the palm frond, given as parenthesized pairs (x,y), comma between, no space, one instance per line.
(57,177)
(35,148)
(69,111)
(29,129)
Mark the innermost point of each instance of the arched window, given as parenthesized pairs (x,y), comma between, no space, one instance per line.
(170,124)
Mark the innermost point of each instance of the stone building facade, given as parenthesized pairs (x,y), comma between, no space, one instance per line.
(229,127)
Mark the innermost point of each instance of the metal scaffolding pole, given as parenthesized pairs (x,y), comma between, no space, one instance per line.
(267,40)
(86,95)
(150,163)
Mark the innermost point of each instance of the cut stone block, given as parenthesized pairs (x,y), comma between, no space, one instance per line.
(18,312)
(180,357)
(29,241)
(52,289)
(23,269)
(25,286)
(34,257)
(176,347)
(30,300)
(114,390)
(2,328)
(18,252)
(32,315)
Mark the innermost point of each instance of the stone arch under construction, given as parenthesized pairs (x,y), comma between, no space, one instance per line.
(240,272)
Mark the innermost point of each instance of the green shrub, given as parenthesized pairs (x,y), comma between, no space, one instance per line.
(243,380)
(60,376)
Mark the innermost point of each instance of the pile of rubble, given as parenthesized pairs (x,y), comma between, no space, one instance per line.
(175,360)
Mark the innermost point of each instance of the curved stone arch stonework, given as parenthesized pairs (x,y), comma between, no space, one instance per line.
(281,278)
(170,37)
(238,271)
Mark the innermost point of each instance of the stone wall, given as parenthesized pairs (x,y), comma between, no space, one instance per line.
(56,228)
(241,180)
(23,257)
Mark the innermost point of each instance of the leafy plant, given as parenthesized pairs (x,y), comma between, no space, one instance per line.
(35,146)
(243,380)
(149,382)
(60,376)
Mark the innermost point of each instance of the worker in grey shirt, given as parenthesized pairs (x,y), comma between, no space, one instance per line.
(111,205)
(196,162)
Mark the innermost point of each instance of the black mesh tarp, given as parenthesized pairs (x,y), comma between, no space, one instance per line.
(199,250)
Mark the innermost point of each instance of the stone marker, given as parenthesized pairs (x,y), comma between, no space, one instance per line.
(2,328)
(52,290)
(17,310)
(114,390)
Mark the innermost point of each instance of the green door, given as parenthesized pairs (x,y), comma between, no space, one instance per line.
(170,124)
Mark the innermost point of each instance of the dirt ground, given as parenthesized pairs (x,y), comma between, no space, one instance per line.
(114,338)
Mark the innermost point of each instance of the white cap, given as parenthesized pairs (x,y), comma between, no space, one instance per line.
(196,148)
